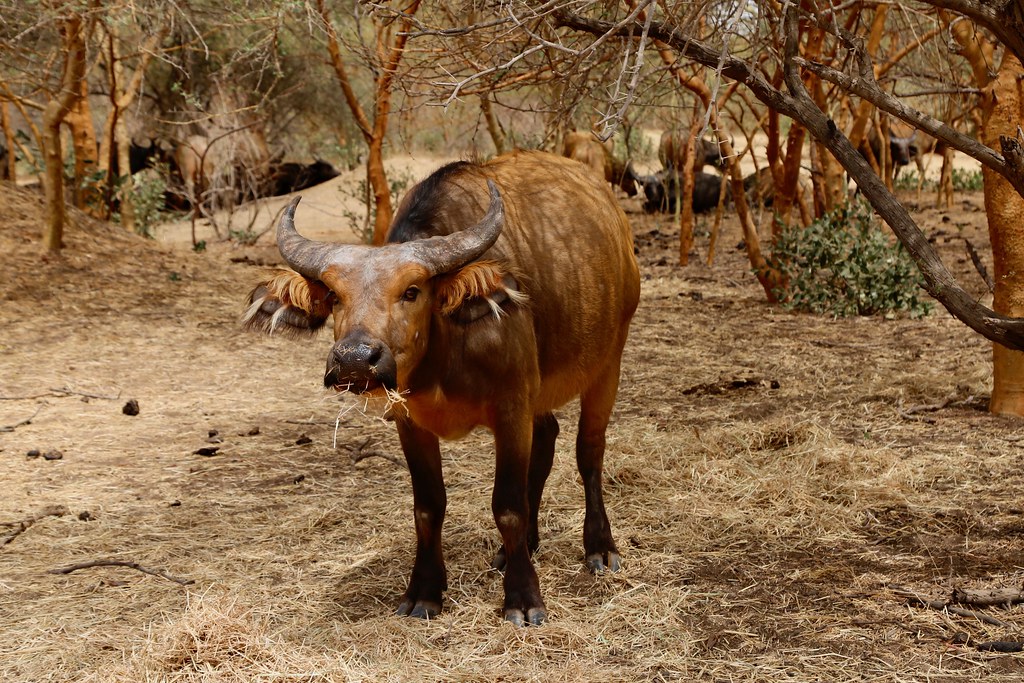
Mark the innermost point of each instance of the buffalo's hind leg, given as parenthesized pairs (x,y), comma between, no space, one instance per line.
(542,454)
(595,412)
(428,581)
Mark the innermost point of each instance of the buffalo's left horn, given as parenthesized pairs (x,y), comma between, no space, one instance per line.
(444,254)
(304,256)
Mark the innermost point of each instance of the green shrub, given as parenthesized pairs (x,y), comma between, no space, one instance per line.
(908,180)
(844,264)
(965,181)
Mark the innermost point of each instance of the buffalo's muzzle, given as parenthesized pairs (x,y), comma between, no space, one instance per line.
(360,364)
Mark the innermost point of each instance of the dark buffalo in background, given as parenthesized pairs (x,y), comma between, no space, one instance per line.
(760,187)
(662,188)
(600,156)
(291,176)
(901,149)
(705,152)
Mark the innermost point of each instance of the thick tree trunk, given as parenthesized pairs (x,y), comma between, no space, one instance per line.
(83,137)
(1005,210)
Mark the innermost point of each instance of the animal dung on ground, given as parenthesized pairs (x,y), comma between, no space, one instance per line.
(131,407)
(53,455)
(206,450)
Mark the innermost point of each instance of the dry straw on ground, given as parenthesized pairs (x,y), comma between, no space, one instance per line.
(776,483)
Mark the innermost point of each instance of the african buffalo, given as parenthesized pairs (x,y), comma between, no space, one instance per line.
(584,148)
(289,176)
(900,149)
(705,152)
(467,321)
(662,188)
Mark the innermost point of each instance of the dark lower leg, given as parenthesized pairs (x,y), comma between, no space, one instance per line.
(429,579)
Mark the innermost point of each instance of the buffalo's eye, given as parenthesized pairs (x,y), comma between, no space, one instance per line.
(411,294)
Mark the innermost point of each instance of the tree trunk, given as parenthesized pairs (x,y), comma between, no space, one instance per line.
(83,137)
(12,161)
(126,189)
(53,178)
(1004,208)
(684,202)
(378,182)
(493,127)
(53,115)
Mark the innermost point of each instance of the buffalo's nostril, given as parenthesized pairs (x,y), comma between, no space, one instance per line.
(373,353)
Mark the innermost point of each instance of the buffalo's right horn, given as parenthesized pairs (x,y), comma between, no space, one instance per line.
(304,256)
(444,254)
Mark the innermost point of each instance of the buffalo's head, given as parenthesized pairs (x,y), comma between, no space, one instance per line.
(382,298)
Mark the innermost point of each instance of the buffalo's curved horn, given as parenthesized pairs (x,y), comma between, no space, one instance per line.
(446,253)
(304,256)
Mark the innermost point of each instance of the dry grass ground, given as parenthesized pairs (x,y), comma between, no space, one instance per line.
(773,481)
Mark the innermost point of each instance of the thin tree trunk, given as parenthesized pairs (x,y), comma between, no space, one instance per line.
(684,202)
(5,122)
(53,115)
(389,51)
(493,127)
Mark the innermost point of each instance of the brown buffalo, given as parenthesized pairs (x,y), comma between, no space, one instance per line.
(584,148)
(493,321)
(705,152)
(195,164)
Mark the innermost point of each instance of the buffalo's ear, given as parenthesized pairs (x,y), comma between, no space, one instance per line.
(476,290)
(288,303)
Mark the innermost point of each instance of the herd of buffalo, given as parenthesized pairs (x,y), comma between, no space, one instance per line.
(193,173)
(662,188)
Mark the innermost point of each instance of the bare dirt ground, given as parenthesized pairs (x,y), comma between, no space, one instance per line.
(778,483)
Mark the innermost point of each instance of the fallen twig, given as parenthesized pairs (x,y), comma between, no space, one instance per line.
(122,563)
(729,385)
(988,598)
(22,525)
(27,420)
(72,392)
(359,453)
(926,408)
(942,606)
(1001,646)
(907,415)
(59,392)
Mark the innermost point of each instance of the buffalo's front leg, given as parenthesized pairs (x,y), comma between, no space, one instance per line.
(422,453)
(512,436)
(542,454)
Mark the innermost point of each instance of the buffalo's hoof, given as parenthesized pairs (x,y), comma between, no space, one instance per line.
(535,616)
(599,562)
(421,609)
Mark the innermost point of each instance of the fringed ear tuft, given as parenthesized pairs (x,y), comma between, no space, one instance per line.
(288,303)
(478,289)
